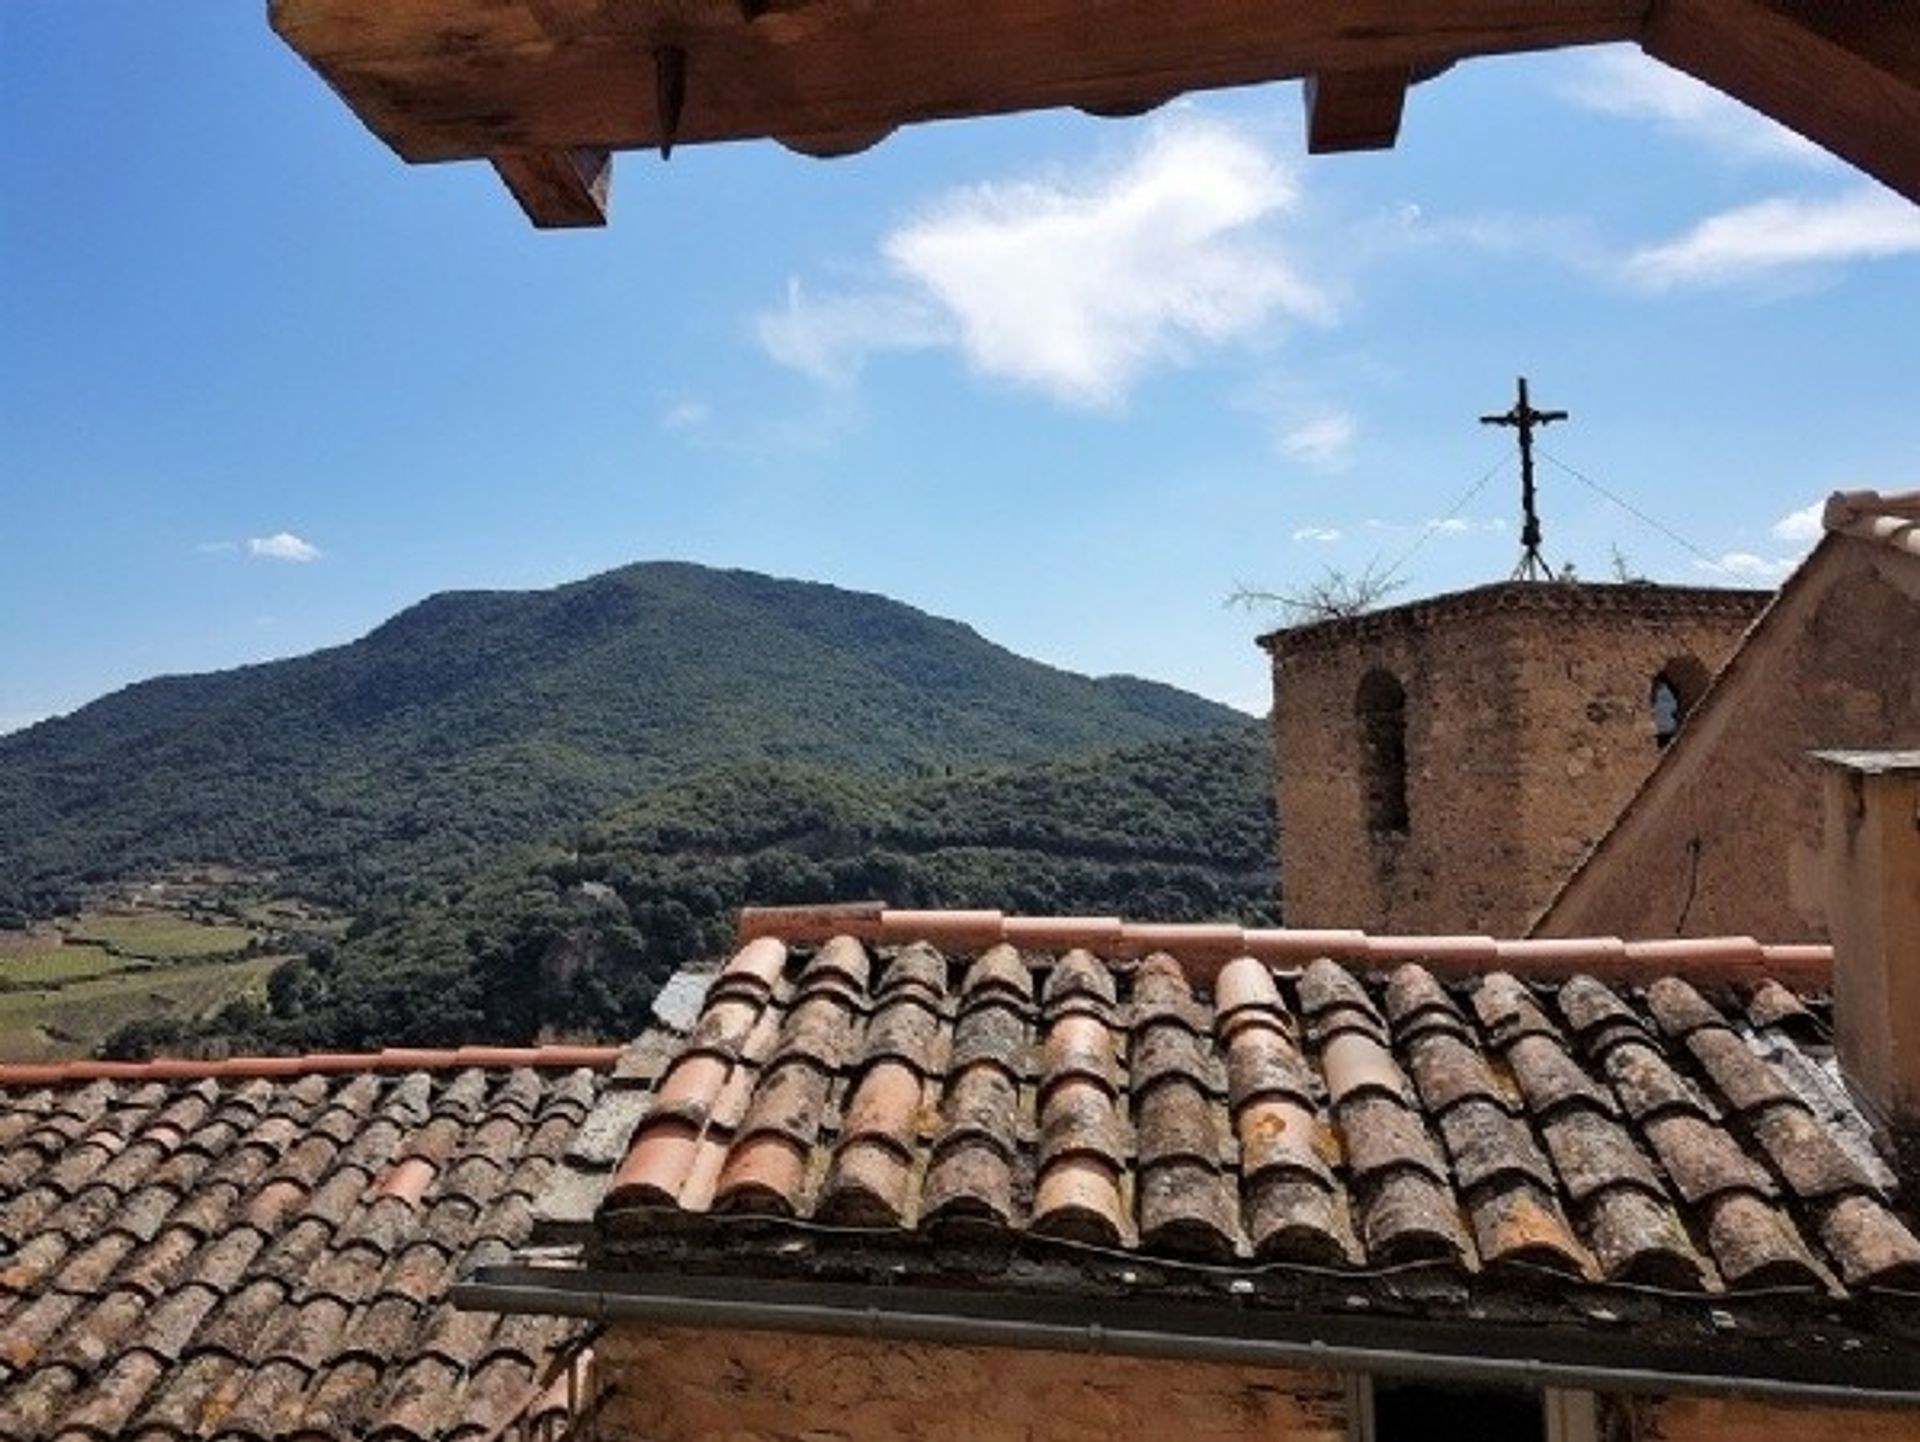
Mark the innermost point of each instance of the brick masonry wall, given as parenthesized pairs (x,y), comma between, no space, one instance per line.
(685,1386)
(1529,724)
(1727,839)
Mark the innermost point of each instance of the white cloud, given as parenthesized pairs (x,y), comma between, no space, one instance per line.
(1801,525)
(1075,288)
(1323,535)
(1628,83)
(1324,440)
(830,338)
(685,415)
(1465,526)
(1745,566)
(282,546)
(1782,233)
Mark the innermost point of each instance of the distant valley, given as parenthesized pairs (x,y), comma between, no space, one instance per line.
(535,804)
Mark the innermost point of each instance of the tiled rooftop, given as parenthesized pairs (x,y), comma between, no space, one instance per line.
(935,1084)
(263,1247)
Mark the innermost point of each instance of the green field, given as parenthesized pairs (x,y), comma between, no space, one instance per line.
(46,1025)
(163,936)
(49,963)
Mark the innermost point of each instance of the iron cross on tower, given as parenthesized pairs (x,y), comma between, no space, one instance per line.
(1523,418)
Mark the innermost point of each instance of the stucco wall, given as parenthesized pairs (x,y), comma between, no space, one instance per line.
(678,1386)
(1529,725)
(1707,1419)
(1726,836)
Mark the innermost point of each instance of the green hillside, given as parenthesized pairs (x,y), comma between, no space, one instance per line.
(477,722)
(576,941)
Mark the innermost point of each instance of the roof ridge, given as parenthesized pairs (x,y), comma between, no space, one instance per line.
(1890,517)
(1207,945)
(1508,596)
(247,1068)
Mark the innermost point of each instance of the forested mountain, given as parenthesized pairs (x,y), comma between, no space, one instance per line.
(475,722)
(576,940)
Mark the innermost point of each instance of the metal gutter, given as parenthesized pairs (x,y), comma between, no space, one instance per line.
(1440,1349)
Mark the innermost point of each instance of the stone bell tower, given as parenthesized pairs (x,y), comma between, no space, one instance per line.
(1441,766)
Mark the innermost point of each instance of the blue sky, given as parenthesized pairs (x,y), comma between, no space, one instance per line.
(1068,380)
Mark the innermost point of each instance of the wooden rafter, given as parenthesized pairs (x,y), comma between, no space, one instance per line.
(536,84)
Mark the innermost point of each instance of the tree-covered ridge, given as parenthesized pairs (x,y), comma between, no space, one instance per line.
(576,941)
(476,722)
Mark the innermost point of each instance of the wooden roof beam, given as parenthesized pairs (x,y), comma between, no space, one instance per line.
(559,189)
(1846,76)
(1355,109)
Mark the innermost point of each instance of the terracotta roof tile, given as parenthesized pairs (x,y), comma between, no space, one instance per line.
(1450,1102)
(248,1250)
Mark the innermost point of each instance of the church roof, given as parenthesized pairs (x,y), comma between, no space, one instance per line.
(1544,599)
(1543,1137)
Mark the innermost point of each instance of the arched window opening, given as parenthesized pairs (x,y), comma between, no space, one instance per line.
(1676,689)
(1381,706)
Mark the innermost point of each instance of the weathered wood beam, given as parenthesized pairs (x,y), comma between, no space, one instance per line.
(558,189)
(1355,109)
(553,73)
(1846,76)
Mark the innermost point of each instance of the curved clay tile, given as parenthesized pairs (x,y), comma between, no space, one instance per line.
(1773,1005)
(1243,982)
(1405,1216)
(1326,984)
(1515,1220)
(971,1175)
(1647,1086)
(1448,1071)
(1184,1202)
(1755,1245)
(843,959)
(1872,1246)
(1081,1047)
(1412,993)
(657,1165)
(1550,1079)
(1082,1144)
(762,960)
(1356,1065)
(1078,974)
(1507,1010)
(1486,1144)
(1078,1198)
(1805,1153)
(998,969)
(1679,1008)
(763,1173)
(916,966)
(1593,1153)
(1588,1004)
(1638,1238)
(1262,1061)
(1702,1160)
(1747,1082)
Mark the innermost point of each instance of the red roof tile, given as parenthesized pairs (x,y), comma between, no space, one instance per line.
(1599,1109)
(263,1247)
